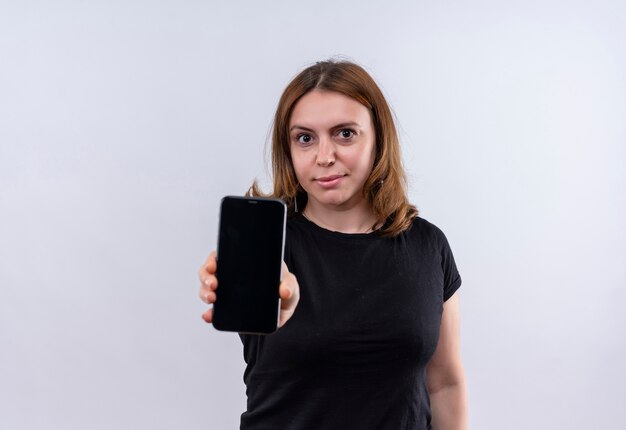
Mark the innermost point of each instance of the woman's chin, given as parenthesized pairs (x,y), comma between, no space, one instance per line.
(335,202)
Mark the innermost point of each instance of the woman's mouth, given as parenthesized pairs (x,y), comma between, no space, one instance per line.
(329,181)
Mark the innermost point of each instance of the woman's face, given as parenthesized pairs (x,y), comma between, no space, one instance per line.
(332,143)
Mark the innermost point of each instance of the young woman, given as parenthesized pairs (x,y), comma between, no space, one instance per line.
(369,333)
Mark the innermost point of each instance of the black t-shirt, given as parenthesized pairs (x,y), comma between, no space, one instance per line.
(354,354)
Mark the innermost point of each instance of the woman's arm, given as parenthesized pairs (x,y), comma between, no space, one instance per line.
(446,378)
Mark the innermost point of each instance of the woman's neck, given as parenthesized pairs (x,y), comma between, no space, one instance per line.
(358,219)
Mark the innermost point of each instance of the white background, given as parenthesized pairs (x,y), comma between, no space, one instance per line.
(122,124)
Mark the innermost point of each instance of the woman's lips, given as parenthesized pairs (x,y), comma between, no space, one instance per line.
(329,181)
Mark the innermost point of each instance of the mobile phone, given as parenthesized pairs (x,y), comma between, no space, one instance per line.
(250,252)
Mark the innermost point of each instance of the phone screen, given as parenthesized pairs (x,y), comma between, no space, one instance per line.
(249,264)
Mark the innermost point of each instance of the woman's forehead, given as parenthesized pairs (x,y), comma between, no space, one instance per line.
(322,109)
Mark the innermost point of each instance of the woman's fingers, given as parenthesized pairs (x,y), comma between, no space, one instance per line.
(210,265)
(206,274)
(285,291)
(208,316)
(288,283)
(289,292)
(208,284)
(288,287)
(206,295)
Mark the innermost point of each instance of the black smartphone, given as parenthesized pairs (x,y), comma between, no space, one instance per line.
(250,249)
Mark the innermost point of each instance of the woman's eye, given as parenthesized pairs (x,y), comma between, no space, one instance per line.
(304,138)
(346,133)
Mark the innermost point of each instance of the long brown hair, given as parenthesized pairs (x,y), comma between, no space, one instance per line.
(386,188)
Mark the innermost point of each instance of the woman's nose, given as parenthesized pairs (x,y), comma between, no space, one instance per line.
(325,153)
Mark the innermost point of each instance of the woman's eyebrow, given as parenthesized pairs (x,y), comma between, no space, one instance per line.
(347,124)
(341,125)
(293,127)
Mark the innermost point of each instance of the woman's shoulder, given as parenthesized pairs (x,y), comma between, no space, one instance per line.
(426,229)
(424,224)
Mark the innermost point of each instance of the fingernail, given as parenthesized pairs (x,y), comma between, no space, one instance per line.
(207,282)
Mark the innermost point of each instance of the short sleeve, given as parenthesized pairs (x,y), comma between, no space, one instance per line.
(451,276)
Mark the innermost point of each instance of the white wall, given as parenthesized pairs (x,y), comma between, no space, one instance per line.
(123,123)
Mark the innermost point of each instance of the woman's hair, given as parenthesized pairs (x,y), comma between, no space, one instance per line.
(385,188)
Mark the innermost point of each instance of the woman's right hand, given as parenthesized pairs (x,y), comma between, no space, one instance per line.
(288,290)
